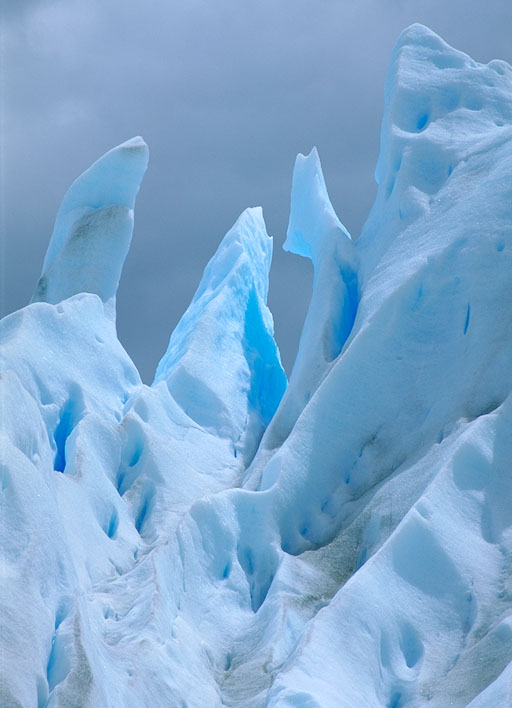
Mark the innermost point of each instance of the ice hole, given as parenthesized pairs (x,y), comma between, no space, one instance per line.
(111,529)
(145,508)
(395,700)
(422,121)
(70,415)
(468,315)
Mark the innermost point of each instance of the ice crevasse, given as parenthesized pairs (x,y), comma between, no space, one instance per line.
(227,538)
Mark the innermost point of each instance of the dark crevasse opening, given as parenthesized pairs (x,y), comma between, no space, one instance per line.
(59,665)
(146,506)
(342,320)
(133,451)
(70,415)
(260,567)
(268,380)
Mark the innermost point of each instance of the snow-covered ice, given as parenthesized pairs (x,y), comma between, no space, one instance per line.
(226,538)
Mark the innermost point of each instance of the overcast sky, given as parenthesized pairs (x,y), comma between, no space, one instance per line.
(225,93)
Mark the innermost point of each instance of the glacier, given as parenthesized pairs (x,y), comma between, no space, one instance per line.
(225,537)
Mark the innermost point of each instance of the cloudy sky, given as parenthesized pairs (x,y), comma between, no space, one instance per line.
(226,93)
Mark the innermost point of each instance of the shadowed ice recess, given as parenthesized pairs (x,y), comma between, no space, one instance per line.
(227,538)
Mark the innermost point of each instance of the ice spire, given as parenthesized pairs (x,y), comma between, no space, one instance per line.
(222,365)
(315,232)
(93,228)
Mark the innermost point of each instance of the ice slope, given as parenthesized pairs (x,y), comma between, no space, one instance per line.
(364,557)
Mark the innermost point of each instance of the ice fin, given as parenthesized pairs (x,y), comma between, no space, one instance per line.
(315,232)
(222,365)
(313,224)
(93,228)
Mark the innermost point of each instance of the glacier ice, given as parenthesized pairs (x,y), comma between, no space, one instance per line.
(314,232)
(225,537)
(93,229)
(222,365)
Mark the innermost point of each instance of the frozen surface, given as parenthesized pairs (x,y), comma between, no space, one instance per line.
(223,539)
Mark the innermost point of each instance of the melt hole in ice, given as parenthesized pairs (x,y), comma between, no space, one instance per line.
(468,315)
(58,665)
(145,508)
(112,524)
(411,645)
(70,415)
(395,700)
(422,121)
(4,478)
(228,661)
(227,570)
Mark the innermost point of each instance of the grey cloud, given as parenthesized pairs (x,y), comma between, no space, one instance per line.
(226,93)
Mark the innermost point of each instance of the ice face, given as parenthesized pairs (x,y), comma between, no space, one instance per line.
(363,557)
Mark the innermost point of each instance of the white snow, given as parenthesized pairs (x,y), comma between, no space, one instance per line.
(220,539)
